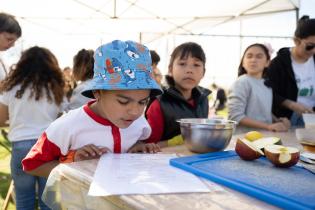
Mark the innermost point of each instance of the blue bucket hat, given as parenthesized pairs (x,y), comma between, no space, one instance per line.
(121,65)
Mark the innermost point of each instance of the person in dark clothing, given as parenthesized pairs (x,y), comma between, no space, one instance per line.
(292,75)
(219,103)
(182,98)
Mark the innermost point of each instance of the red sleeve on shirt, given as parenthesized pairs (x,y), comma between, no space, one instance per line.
(42,152)
(156,120)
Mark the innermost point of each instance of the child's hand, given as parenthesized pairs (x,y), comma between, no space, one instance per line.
(285,121)
(144,148)
(278,127)
(88,152)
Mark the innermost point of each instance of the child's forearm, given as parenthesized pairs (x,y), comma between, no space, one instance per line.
(45,169)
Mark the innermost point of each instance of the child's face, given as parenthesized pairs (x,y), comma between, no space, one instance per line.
(187,72)
(255,61)
(121,107)
(7,40)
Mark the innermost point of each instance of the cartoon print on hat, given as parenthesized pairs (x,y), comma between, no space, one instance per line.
(122,65)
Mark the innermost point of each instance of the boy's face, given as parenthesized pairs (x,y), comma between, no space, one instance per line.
(121,107)
(187,72)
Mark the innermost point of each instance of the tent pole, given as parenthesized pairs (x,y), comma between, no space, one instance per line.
(241,38)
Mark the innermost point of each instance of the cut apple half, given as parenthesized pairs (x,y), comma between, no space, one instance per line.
(263,142)
(247,150)
(282,156)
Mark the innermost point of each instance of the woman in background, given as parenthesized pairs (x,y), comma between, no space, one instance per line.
(292,75)
(83,63)
(30,98)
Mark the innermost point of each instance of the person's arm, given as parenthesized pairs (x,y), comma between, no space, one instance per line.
(42,158)
(284,120)
(4,115)
(237,100)
(155,119)
(45,169)
(297,107)
(277,126)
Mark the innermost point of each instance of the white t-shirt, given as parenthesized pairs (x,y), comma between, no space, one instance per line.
(77,99)
(80,127)
(28,118)
(305,79)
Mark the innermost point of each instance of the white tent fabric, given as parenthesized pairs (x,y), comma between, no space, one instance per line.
(145,19)
(222,27)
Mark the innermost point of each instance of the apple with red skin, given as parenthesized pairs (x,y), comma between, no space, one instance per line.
(279,155)
(246,150)
(282,156)
(251,150)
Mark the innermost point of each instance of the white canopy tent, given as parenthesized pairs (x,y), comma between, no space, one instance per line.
(136,17)
(65,26)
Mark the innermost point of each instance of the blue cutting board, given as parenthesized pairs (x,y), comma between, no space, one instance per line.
(289,188)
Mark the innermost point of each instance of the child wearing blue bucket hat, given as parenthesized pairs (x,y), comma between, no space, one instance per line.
(114,122)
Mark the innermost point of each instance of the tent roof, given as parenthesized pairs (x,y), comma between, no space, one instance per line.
(149,19)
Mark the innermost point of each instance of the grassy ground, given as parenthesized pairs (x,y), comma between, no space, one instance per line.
(5,176)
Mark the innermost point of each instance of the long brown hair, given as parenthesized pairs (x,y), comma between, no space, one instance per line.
(38,70)
(83,63)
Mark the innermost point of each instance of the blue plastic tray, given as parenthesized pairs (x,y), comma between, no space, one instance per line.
(289,188)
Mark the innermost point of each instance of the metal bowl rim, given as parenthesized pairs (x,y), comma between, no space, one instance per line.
(193,121)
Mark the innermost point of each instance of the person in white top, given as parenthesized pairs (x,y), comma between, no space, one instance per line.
(10,31)
(292,75)
(250,100)
(82,72)
(30,98)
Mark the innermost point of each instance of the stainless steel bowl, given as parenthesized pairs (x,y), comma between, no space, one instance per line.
(206,135)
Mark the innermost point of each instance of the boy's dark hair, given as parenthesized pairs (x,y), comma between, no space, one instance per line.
(305,27)
(9,24)
(186,49)
(39,71)
(83,63)
(183,51)
(155,57)
(241,69)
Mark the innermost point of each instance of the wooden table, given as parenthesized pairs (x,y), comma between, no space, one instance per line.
(68,186)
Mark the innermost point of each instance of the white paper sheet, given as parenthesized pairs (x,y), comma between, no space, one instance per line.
(118,174)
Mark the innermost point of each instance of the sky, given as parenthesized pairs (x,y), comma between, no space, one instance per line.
(223,52)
